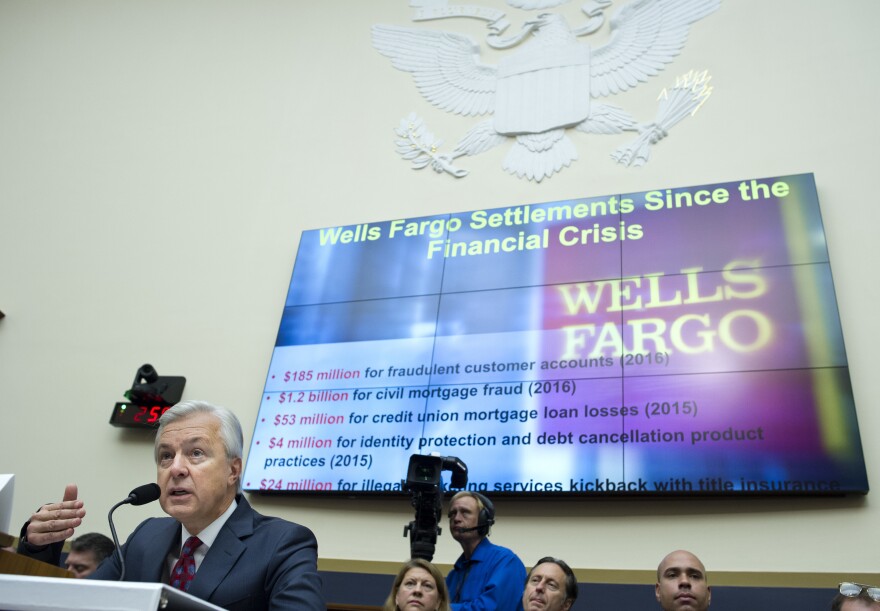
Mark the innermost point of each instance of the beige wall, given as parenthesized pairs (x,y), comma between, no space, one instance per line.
(158,161)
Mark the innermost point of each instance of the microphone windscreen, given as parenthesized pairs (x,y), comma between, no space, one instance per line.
(145,494)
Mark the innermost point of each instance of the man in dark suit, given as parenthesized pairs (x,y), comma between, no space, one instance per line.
(87,552)
(214,545)
(550,586)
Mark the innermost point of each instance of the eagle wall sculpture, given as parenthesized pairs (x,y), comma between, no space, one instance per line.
(549,83)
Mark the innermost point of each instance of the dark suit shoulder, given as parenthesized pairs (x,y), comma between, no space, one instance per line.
(261,562)
(246,520)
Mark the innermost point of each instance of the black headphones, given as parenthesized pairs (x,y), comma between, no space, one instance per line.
(487,514)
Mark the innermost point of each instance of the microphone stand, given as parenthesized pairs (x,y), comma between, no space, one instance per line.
(139,496)
(118,549)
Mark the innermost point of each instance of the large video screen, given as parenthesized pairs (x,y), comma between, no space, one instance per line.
(679,341)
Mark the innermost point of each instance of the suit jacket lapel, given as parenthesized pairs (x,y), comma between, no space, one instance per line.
(223,555)
(154,564)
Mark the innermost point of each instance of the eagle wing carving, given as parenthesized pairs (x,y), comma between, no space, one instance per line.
(645,36)
(444,66)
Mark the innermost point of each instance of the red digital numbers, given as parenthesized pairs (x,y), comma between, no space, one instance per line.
(155,413)
(149,415)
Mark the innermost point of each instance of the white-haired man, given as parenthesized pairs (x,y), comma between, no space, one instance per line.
(213,545)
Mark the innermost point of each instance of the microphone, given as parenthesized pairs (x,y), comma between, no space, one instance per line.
(473,528)
(143,494)
(139,496)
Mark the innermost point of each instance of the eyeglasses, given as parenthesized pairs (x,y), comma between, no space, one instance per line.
(851,590)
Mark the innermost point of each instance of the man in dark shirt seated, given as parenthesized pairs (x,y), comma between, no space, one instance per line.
(87,552)
(550,586)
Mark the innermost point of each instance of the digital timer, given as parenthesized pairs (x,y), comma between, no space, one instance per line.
(137,416)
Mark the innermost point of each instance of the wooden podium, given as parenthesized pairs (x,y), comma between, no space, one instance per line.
(15,564)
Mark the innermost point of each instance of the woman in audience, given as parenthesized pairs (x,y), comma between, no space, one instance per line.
(419,586)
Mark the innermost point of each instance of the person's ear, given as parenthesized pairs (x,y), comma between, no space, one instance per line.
(234,471)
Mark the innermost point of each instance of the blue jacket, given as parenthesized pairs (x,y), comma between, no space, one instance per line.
(494,579)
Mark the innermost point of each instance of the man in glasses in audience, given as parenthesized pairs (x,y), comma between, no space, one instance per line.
(682,584)
(856,597)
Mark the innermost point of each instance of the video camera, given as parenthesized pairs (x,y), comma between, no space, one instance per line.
(149,388)
(423,481)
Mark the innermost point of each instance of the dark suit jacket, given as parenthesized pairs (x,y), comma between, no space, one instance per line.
(256,563)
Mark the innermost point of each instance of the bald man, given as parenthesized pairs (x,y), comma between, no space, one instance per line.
(682,584)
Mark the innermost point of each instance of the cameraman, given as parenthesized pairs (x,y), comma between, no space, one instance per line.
(486,577)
